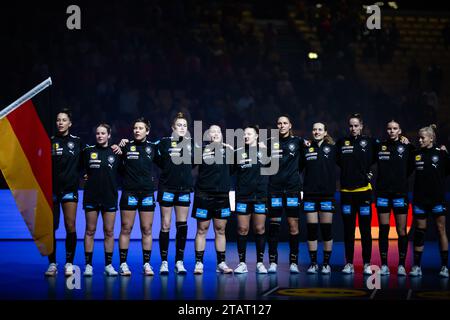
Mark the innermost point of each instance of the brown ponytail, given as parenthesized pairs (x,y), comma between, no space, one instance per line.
(328,139)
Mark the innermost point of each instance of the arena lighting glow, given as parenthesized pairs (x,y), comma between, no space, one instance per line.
(313,56)
(319,5)
(393,5)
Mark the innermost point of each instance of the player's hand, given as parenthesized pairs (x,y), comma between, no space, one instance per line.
(123,143)
(226,145)
(116,149)
(404,140)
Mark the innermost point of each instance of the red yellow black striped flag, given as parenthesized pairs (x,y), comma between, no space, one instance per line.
(25,161)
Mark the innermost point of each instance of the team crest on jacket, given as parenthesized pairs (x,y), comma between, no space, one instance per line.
(347,143)
(133,148)
(291,147)
(401,149)
(326,149)
(311,149)
(70,145)
(111,159)
(383,148)
(363,143)
(418,157)
(56,146)
(148,150)
(174,144)
(435,159)
(244,155)
(94,155)
(276,146)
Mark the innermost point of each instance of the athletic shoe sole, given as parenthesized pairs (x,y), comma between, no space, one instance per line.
(181,272)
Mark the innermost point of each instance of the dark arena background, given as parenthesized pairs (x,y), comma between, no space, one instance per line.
(231,63)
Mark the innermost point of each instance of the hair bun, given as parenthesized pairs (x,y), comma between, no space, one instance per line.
(178,116)
(433,126)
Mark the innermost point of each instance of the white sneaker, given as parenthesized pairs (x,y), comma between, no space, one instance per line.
(223,268)
(124,270)
(313,269)
(241,268)
(273,268)
(260,268)
(326,269)
(401,271)
(198,268)
(293,268)
(416,271)
(366,270)
(147,269)
(384,271)
(88,271)
(444,272)
(110,271)
(52,270)
(348,269)
(164,269)
(68,269)
(179,267)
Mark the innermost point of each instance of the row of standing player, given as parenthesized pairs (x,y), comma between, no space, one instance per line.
(256,194)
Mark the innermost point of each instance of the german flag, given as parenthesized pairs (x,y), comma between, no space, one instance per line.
(25,161)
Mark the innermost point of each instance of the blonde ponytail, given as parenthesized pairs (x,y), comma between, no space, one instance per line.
(430,130)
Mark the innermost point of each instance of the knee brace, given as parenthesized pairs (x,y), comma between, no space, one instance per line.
(181,229)
(274,229)
(419,237)
(384,230)
(325,229)
(312,229)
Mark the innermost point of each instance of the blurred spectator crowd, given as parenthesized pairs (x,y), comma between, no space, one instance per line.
(218,61)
